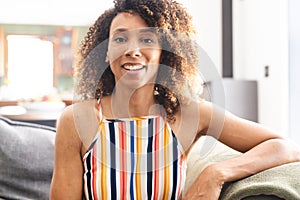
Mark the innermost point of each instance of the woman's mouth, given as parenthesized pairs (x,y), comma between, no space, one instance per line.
(133,67)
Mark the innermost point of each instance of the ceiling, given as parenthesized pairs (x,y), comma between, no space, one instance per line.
(55,12)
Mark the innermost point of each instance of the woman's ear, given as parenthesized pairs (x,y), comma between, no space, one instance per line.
(106,58)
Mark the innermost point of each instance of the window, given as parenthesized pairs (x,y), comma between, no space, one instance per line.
(36,61)
(30,66)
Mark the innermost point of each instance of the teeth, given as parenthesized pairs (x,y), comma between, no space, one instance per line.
(132,67)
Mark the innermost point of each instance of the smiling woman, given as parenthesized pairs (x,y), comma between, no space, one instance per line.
(139,114)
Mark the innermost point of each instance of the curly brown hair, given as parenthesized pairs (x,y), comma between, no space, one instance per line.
(94,78)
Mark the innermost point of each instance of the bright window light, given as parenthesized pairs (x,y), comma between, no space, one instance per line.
(30,66)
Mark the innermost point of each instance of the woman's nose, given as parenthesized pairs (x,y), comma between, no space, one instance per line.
(133,50)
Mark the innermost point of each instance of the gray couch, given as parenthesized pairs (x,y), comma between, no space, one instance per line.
(27,159)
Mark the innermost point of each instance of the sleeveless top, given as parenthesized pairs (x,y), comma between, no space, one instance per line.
(134,158)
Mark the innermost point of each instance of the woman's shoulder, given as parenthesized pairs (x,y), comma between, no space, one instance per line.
(197,115)
(67,139)
(66,119)
(79,122)
(195,110)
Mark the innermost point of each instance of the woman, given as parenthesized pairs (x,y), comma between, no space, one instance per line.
(139,114)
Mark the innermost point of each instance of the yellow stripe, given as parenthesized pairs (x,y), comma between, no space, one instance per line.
(103,157)
(139,150)
(166,164)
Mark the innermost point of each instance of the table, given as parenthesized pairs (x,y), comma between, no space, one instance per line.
(19,113)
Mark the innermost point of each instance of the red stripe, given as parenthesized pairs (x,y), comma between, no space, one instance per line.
(125,161)
(122,133)
(156,159)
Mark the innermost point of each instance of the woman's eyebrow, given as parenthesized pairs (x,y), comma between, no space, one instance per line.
(141,30)
(150,29)
(119,30)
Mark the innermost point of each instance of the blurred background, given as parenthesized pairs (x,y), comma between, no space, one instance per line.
(253,45)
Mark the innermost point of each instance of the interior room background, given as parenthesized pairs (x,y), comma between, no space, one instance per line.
(247,40)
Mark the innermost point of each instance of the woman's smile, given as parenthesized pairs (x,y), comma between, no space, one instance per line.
(133,67)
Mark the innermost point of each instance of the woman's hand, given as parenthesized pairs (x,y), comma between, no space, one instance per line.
(207,186)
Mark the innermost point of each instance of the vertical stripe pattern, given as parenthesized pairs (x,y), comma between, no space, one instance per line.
(136,158)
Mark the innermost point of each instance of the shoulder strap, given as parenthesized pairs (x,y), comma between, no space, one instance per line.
(99,109)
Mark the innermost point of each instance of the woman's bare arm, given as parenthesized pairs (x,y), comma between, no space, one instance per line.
(67,180)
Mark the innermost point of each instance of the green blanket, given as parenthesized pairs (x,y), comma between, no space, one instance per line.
(282,182)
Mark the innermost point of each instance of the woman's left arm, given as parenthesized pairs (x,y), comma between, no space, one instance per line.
(262,149)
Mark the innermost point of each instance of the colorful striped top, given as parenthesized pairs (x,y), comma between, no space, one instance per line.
(136,158)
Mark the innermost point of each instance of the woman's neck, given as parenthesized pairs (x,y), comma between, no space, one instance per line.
(139,102)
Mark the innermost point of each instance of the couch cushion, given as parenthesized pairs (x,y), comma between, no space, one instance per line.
(26,160)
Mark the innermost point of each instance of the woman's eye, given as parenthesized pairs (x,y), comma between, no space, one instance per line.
(147,40)
(120,40)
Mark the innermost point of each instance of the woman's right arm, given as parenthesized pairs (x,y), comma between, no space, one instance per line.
(67,180)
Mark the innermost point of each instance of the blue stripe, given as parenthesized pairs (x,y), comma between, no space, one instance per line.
(150,158)
(175,166)
(132,139)
(88,176)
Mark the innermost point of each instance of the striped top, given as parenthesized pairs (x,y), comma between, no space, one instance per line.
(136,158)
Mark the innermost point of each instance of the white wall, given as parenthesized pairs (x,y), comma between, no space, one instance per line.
(260,38)
(294,67)
(207,17)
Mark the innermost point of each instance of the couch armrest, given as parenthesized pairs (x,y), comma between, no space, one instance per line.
(280,182)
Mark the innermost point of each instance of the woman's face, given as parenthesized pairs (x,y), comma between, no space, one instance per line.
(134,51)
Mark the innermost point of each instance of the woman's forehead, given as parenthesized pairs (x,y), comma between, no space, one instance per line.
(125,21)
